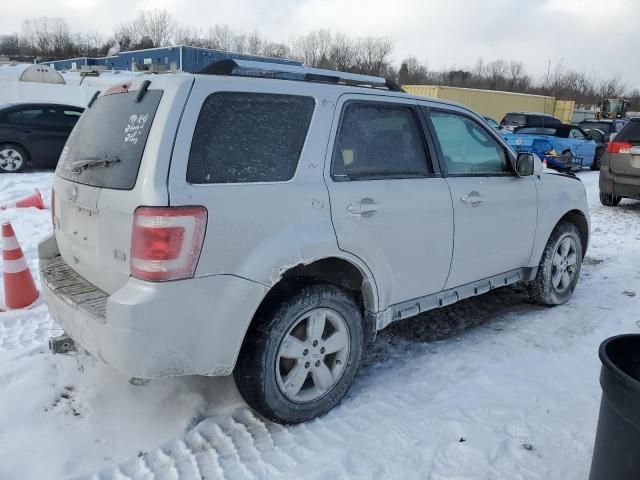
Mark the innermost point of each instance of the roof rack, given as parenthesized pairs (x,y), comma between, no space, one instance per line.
(247,68)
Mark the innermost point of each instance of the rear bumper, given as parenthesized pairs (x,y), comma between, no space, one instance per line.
(619,185)
(151,330)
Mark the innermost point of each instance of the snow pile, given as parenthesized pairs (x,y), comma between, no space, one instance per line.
(491,387)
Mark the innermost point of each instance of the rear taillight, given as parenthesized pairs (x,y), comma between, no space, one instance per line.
(166,242)
(619,147)
(53,207)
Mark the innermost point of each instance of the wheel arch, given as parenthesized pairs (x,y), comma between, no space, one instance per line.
(579,219)
(343,272)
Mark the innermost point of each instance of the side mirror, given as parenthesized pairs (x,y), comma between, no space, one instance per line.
(525,164)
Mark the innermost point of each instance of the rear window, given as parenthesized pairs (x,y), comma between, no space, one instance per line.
(605,127)
(543,120)
(106,146)
(249,137)
(630,133)
(514,119)
(536,131)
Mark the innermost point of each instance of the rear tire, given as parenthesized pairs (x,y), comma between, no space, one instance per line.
(559,267)
(13,158)
(300,357)
(609,199)
(597,160)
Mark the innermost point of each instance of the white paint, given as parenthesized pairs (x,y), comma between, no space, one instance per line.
(522,375)
(15,266)
(10,243)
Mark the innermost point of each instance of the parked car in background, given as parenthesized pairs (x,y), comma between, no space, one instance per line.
(620,172)
(495,125)
(603,130)
(564,147)
(225,223)
(514,120)
(34,134)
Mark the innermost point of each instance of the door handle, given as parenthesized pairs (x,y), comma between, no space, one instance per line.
(472,199)
(365,207)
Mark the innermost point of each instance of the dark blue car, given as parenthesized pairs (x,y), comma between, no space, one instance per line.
(564,147)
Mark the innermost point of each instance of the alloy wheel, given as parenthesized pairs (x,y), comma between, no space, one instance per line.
(10,160)
(312,355)
(564,265)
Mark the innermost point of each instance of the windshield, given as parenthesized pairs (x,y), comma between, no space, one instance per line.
(106,146)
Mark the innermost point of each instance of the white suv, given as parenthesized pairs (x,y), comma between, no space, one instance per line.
(226,222)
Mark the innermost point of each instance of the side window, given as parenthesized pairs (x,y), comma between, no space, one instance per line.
(71,117)
(248,137)
(467,147)
(40,116)
(577,134)
(379,141)
(23,115)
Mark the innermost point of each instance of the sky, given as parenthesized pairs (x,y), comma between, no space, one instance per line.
(594,36)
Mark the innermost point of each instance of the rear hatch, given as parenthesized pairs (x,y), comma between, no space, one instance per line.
(624,151)
(116,159)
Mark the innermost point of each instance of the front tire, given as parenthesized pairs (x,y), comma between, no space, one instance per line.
(13,159)
(301,356)
(559,267)
(609,199)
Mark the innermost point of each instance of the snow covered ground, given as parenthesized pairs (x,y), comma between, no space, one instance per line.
(492,387)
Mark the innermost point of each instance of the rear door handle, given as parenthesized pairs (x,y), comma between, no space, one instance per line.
(365,207)
(472,199)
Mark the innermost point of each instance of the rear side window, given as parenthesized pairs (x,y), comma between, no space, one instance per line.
(630,133)
(71,117)
(378,141)
(106,146)
(249,137)
(33,116)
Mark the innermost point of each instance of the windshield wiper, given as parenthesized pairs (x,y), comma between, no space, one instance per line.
(82,165)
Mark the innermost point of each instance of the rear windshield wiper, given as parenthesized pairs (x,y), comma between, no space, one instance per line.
(81,165)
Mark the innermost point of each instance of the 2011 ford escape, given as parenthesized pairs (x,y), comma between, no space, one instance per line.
(267,227)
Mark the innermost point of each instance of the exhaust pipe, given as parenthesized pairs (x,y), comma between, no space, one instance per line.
(62,344)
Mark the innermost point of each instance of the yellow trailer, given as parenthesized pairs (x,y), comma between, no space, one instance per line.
(494,103)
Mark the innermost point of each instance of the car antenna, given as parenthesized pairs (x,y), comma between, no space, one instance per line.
(93,98)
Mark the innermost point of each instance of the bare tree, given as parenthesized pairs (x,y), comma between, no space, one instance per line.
(220,37)
(152,27)
(187,35)
(254,43)
(158,25)
(313,48)
(371,54)
(342,52)
(10,44)
(412,72)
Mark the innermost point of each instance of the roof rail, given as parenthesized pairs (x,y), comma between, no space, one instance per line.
(247,68)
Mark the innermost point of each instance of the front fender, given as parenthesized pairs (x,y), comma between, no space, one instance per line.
(559,195)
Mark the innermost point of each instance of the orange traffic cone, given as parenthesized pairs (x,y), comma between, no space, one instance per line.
(19,288)
(33,200)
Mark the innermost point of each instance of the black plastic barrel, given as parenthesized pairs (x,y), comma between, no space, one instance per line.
(616,455)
